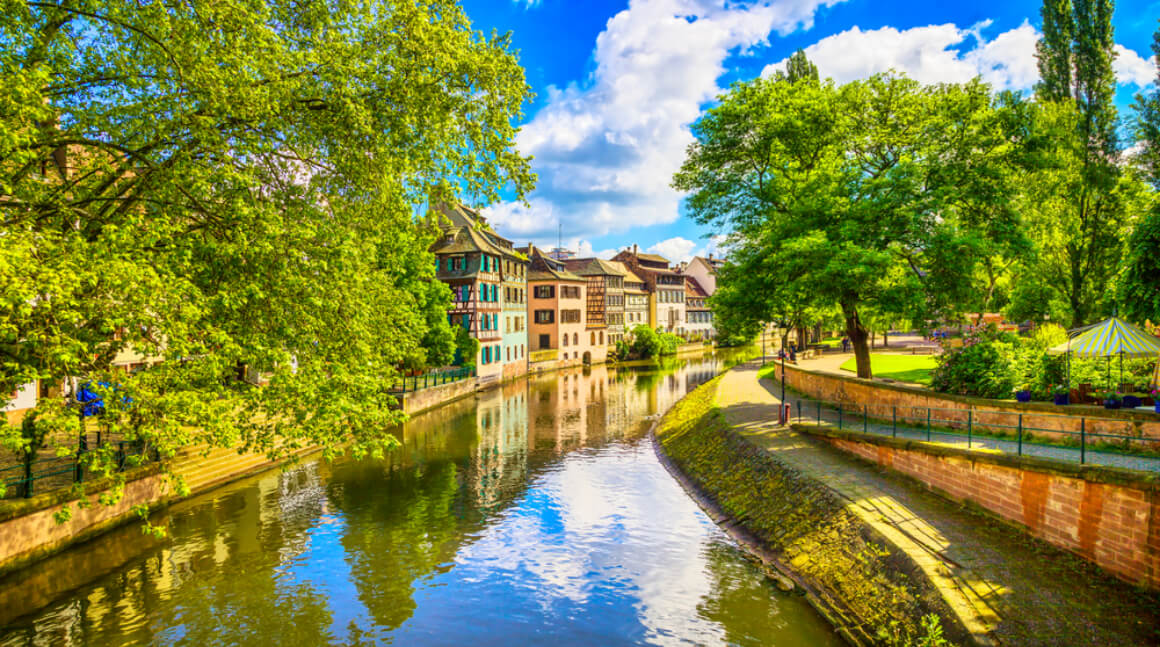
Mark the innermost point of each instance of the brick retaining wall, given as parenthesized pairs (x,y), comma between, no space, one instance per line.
(884,401)
(1108,516)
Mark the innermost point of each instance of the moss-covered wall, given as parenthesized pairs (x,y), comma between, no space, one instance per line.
(869,594)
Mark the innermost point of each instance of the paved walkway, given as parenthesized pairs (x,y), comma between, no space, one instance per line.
(808,410)
(1006,587)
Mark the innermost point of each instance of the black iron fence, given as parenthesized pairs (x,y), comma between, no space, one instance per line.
(1099,440)
(410,383)
(49,471)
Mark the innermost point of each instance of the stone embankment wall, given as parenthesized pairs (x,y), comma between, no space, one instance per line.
(29,530)
(1106,515)
(884,401)
(798,528)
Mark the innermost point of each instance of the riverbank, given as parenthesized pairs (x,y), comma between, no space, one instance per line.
(996,582)
(798,527)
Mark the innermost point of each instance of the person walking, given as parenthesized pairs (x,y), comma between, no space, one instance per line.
(845,344)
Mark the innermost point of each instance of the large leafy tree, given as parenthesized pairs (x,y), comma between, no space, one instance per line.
(230,185)
(1079,202)
(879,195)
(1140,285)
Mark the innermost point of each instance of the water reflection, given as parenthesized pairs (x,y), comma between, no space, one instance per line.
(536,511)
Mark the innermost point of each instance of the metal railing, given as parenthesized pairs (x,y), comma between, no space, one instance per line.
(1078,438)
(411,383)
(45,473)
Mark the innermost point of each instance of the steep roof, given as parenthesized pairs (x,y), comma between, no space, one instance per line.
(483,237)
(593,267)
(694,289)
(713,264)
(553,275)
(653,258)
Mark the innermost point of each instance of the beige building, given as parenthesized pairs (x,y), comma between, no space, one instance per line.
(557,304)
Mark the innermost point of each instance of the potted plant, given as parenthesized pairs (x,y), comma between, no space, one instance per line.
(1131,401)
(1156,398)
(1060,393)
(1023,394)
(1111,399)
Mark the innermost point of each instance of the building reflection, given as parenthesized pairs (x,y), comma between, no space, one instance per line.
(322,552)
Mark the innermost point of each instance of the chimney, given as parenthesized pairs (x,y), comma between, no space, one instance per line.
(635,249)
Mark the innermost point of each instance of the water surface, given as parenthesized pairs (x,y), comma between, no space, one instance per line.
(534,513)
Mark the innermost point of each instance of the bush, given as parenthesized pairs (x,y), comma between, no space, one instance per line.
(646,343)
(985,369)
(669,343)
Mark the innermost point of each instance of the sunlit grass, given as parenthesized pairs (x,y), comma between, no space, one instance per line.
(904,368)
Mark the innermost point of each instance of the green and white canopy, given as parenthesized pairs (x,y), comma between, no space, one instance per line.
(1111,338)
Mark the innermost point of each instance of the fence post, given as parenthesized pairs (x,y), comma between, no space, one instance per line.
(1082,440)
(865,411)
(928,424)
(970,425)
(894,422)
(799,407)
(82,445)
(839,415)
(28,478)
(1020,434)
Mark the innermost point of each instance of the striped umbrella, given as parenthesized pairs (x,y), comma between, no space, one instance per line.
(1111,338)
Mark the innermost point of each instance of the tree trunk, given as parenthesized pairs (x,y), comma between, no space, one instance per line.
(801,338)
(859,339)
(886,339)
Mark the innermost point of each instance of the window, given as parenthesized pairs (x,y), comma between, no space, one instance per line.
(487,354)
(575,338)
(545,291)
(545,341)
(601,336)
(569,316)
(509,353)
(569,292)
(545,316)
(593,340)
(565,340)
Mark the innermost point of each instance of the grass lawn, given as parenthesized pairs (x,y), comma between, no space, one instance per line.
(904,368)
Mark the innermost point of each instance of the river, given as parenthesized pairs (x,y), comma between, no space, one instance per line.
(534,513)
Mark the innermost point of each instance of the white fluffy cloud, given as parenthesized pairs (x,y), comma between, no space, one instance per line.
(948,53)
(675,249)
(930,54)
(1131,68)
(606,149)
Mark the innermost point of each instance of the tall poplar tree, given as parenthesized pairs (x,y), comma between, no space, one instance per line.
(1078,203)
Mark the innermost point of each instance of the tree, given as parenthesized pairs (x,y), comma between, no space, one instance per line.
(880,195)
(1140,282)
(232,186)
(1147,122)
(646,343)
(799,67)
(1078,204)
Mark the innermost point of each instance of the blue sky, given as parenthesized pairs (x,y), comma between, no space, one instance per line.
(618,84)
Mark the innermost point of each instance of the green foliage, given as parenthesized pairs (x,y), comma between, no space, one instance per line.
(1047,336)
(879,196)
(229,186)
(669,343)
(987,369)
(466,346)
(1147,122)
(1140,281)
(646,343)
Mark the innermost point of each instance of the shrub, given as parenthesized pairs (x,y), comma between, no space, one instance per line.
(646,343)
(669,343)
(986,369)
